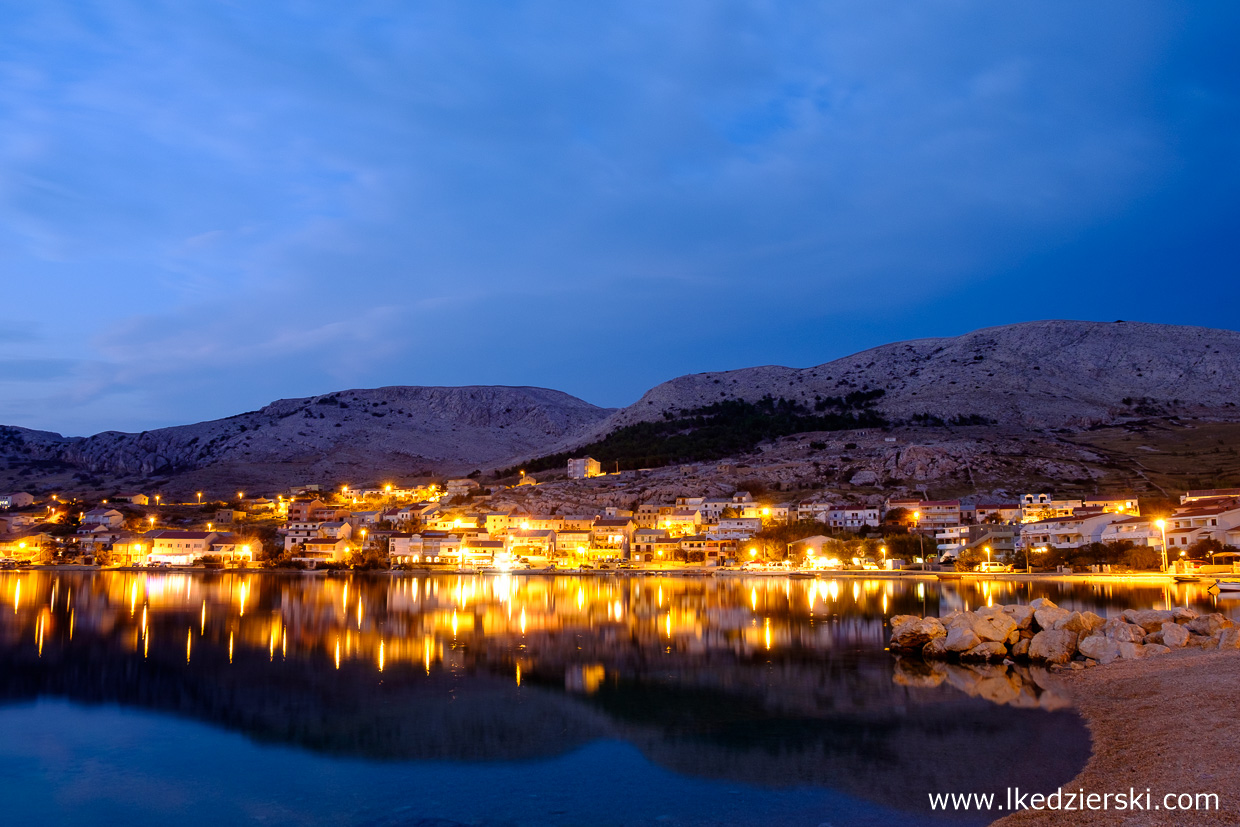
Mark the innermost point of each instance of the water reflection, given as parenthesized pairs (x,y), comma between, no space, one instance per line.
(756,680)
(1029,687)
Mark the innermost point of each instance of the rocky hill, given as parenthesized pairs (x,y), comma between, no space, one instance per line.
(1055,403)
(355,434)
(1048,374)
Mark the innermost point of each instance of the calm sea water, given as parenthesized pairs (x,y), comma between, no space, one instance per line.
(142,699)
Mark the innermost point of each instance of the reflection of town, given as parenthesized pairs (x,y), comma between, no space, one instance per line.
(445,620)
(766,680)
(593,625)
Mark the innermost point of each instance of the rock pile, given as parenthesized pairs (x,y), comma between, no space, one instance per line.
(1045,633)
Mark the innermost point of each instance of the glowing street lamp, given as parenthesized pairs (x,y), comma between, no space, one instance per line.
(200,498)
(152,520)
(921,539)
(157,496)
(1162,526)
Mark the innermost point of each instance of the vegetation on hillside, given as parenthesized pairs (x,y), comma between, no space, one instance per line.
(719,430)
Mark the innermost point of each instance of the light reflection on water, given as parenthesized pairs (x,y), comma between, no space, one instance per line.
(445,621)
(765,681)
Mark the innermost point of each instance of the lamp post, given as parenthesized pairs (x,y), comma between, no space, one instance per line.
(1162,526)
(200,498)
(921,539)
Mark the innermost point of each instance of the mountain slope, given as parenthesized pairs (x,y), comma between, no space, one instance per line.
(385,431)
(1048,374)
(1081,406)
(1113,402)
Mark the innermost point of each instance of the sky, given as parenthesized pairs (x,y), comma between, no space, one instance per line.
(206,206)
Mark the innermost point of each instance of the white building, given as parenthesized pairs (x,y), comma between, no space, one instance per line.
(735,528)
(852,517)
(1066,532)
(180,548)
(581,468)
(1035,507)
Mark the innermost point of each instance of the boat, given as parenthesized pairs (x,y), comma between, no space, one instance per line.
(1186,578)
(1227,588)
(800,575)
(950,575)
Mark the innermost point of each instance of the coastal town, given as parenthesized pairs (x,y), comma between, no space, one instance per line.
(460,525)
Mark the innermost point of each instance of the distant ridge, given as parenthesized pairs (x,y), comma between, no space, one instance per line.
(384,431)
(1047,376)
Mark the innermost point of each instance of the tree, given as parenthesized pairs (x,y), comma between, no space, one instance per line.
(969,559)
(909,546)
(896,516)
(367,558)
(1091,555)
(1143,557)
(772,541)
(1203,549)
(68,526)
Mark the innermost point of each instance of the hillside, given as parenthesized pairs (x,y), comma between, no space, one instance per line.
(1060,404)
(1066,405)
(355,434)
(1048,374)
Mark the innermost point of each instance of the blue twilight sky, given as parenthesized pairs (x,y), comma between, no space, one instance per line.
(205,206)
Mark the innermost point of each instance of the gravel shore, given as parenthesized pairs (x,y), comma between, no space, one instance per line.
(1169,724)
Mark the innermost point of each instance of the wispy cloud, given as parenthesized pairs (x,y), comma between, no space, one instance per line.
(219,204)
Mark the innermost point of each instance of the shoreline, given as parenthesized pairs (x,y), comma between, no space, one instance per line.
(1166,723)
(1151,578)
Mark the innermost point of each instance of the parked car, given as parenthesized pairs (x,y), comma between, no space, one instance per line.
(992,566)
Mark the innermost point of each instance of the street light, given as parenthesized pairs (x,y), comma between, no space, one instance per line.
(200,498)
(921,539)
(1162,526)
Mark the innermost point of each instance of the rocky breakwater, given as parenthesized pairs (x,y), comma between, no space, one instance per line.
(1042,632)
